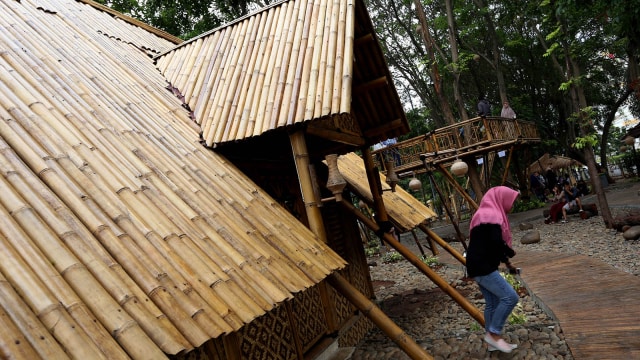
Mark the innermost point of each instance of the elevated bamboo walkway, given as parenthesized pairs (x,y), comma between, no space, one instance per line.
(473,137)
(595,304)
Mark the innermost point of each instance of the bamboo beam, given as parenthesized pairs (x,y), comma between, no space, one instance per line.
(457,186)
(454,221)
(370,85)
(435,237)
(370,310)
(383,129)
(413,259)
(506,167)
(301,158)
(362,40)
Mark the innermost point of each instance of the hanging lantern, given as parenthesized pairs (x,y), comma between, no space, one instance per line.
(415,184)
(392,178)
(629,140)
(335,181)
(459,168)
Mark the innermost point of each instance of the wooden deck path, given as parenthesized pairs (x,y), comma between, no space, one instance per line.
(596,305)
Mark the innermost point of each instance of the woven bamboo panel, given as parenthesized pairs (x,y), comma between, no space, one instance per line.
(352,336)
(309,317)
(274,326)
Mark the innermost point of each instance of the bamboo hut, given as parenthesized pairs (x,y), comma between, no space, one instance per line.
(167,199)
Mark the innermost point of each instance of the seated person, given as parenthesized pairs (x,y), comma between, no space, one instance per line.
(572,197)
(556,209)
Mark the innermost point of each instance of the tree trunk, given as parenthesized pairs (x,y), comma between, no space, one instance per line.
(434,74)
(455,59)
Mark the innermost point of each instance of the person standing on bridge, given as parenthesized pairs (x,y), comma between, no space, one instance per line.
(489,245)
(484,108)
(507,111)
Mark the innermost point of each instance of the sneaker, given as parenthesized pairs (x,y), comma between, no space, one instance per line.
(493,348)
(500,345)
(581,210)
(564,221)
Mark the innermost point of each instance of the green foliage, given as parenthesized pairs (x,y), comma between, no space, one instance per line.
(517,316)
(526,205)
(430,260)
(391,257)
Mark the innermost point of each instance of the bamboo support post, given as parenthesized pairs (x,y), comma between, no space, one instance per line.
(454,221)
(424,268)
(435,237)
(457,186)
(371,311)
(415,238)
(506,167)
(301,155)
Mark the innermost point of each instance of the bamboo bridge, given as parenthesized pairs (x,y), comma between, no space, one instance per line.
(476,137)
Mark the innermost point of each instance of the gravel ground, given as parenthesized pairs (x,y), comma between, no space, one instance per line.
(446,331)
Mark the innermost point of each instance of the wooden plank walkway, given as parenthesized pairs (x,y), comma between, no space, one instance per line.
(596,305)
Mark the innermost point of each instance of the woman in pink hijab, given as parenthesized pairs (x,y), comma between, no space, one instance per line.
(489,245)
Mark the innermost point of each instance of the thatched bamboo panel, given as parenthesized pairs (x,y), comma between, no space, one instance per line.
(403,209)
(121,235)
(287,64)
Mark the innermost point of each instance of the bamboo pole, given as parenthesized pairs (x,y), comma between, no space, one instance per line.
(301,158)
(295,44)
(339,59)
(457,186)
(281,69)
(435,237)
(21,333)
(424,268)
(331,60)
(324,62)
(315,61)
(347,65)
(506,167)
(248,63)
(251,77)
(371,311)
(256,117)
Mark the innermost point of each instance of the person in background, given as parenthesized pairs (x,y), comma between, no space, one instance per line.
(507,111)
(552,179)
(537,188)
(556,209)
(484,108)
(572,198)
(489,245)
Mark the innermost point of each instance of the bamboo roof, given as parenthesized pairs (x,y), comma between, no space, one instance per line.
(405,211)
(553,162)
(296,62)
(121,236)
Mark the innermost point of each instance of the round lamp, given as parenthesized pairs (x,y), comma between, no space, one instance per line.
(459,168)
(629,140)
(415,184)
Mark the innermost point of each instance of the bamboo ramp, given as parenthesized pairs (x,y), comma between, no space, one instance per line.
(121,236)
(595,304)
(405,211)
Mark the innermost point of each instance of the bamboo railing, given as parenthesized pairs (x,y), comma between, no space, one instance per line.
(443,145)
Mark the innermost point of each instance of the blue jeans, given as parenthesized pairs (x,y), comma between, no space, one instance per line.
(500,299)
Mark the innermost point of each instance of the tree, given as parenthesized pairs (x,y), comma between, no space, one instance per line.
(185,18)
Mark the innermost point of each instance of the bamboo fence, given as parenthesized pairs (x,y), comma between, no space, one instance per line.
(123,236)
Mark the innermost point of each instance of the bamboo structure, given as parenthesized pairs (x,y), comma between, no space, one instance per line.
(408,345)
(122,236)
(413,259)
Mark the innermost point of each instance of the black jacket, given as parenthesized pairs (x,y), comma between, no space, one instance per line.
(486,250)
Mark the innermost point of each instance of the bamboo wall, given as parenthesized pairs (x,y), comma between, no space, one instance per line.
(121,236)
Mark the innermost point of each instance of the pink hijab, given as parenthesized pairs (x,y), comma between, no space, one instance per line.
(493,209)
